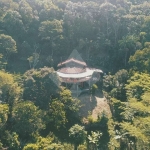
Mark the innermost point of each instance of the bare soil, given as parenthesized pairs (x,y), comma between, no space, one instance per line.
(94,105)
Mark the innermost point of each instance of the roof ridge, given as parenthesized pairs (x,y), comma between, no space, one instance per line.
(74,60)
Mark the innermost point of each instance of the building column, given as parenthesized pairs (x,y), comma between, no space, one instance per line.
(89,84)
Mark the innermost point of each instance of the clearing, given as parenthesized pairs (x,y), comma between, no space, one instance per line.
(94,105)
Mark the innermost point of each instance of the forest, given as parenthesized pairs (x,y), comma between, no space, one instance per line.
(36,35)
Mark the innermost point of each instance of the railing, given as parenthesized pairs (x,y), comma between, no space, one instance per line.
(69,80)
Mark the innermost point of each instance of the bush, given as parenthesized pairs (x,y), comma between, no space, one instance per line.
(93,89)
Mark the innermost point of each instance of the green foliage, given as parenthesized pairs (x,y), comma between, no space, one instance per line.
(25,11)
(108,35)
(1,63)
(146,26)
(108,83)
(82,147)
(113,143)
(120,78)
(137,85)
(12,140)
(118,108)
(62,113)
(71,107)
(7,46)
(140,61)
(33,60)
(31,147)
(93,89)
(1,145)
(68,146)
(128,42)
(44,144)
(12,23)
(10,91)
(58,114)
(9,140)
(4,110)
(27,119)
(94,139)
(93,27)
(40,86)
(50,29)
(135,129)
(115,84)
(90,119)
(77,135)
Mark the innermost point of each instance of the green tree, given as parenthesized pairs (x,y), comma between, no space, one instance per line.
(77,135)
(128,46)
(44,144)
(4,110)
(115,84)
(63,113)
(120,80)
(7,46)
(25,11)
(140,61)
(41,86)
(51,31)
(12,24)
(27,119)
(146,27)
(137,85)
(10,91)
(11,140)
(94,139)
(58,114)
(137,124)
(71,107)
(108,83)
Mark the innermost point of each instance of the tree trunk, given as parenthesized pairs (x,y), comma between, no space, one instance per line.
(75,146)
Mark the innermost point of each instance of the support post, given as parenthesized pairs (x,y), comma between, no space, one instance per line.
(89,84)
(77,89)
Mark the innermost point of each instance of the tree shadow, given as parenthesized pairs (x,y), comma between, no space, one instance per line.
(88,103)
(99,93)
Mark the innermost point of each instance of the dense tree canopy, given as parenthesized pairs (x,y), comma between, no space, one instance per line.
(27,119)
(36,112)
(41,86)
(98,29)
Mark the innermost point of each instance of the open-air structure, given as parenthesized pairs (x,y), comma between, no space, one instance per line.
(77,76)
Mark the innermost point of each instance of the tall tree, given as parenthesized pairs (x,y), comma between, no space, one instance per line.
(10,92)
(41,86)
(77,135)
(27,119)
(50,32)
(7,46)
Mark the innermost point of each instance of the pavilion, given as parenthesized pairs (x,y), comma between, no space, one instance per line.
(77,76)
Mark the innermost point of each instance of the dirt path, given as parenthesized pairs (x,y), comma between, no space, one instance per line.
(102,106)
(94,105)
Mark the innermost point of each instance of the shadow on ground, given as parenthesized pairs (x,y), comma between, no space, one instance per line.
(88,103)
(93,105)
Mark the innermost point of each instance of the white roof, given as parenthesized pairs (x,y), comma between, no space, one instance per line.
(87,73)
(98,70)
